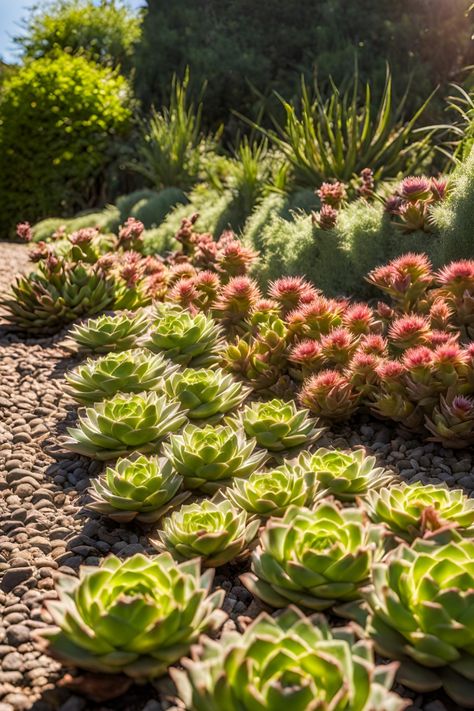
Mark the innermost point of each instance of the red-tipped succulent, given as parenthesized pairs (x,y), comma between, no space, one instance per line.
(316,318)
(408,331)
(359,319)
(306,358)
(292,292)
(330,395)
(235,302)
(362,373)
(24,231)
(332,194)
(452,421)
(130,234)
(326,218)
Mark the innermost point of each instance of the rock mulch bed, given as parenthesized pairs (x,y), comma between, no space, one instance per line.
(45,529)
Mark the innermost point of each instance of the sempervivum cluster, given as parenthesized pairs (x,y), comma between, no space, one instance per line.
(43,302)
(140,488)
(190,340)
(272,492)
(125,423)
(411,510)
(422,613)
(330,395)
(213,456)
(345,475)
(134,617)
(213,530)
(116,332)
(289,661)
(314,558)
(205,393)
(130,371)
(278,425)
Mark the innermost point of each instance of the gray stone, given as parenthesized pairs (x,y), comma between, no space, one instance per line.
(14,577)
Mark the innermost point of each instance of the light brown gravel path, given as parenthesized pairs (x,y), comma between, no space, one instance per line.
(13,259)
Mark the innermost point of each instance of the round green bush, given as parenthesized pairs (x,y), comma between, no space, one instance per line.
(61,121)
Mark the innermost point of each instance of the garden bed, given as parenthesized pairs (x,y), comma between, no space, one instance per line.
(46,531)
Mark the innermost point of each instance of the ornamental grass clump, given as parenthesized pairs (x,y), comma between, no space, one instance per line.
(127,422)
(211,457)
(137,488)
(205,393)
(278,425)
(132,371)
(286,662)
(272,492)
(212,529)
(422,613)
(133,617)
(344,475)
(314,558)
(187,339)
(411,510)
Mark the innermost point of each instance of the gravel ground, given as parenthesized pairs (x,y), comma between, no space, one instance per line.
(45,531)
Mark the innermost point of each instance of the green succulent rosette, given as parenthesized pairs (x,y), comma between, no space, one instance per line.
(422,613)
(211,457)
(288,662)
(278,425)
(272,492)
(125,423)
(410,510)
(187,339)
(344,475)
(313,559)
(211,529)
(205,393)
(131,371)
(42,302)
(141,488)
(134,617)
(116,332)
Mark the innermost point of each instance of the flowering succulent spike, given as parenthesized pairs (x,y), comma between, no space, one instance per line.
(138,488)
(125,423)
(452,421)
(422,613)
(117,332)
(288,661)
(278,425)
(133,617)
(131,234)
(291,292)
(344,475)
(206,393)
(211,457)
(272,492)
(314,558)
(185,294)
(326,218)
(131,371)
(212,529)
(411,510)
(332,194)
(330,395)
(190,340)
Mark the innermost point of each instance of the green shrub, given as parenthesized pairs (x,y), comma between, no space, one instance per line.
(455,217)
(125,203)
(428,41)
(62,119)
(153,209)
(104,32)
(336,260)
